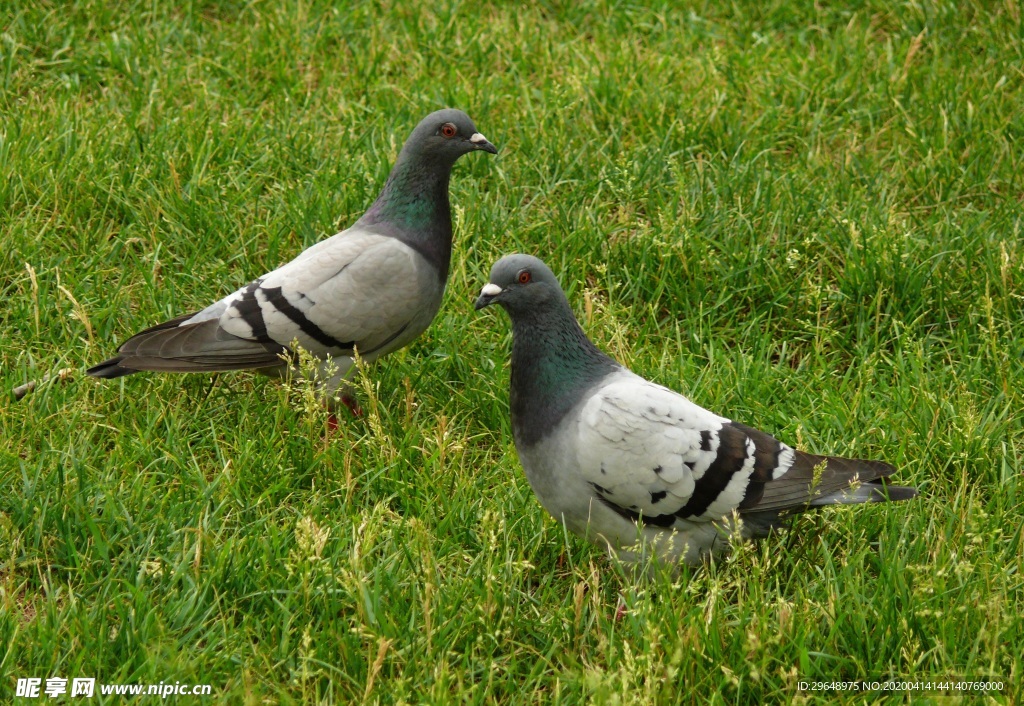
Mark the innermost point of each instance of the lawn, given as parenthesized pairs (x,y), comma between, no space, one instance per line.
(805,216)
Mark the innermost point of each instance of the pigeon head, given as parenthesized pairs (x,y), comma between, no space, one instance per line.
(446,135)
(520,283)
(414,206)
(553,361)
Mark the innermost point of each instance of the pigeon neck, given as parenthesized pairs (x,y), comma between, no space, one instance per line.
(414,203)
(553,365)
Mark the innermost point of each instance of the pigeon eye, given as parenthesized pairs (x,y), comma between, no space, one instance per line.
(524,277)
(448,130)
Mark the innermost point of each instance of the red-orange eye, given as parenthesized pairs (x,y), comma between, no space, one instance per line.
(524,277)
(448,130)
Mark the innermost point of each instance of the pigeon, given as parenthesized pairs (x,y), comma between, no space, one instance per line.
(634,466)
(369,290)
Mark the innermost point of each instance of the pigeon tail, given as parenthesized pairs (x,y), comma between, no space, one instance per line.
(876,491)
(817,481)
(760,523)
(110,369)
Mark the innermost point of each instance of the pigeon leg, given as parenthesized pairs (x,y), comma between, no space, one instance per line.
(353,405)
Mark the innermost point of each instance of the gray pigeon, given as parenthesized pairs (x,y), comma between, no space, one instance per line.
(372,288)
(635,466)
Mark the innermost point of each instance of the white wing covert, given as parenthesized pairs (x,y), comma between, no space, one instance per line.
(643,447)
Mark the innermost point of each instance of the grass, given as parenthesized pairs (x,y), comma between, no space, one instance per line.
(805,216)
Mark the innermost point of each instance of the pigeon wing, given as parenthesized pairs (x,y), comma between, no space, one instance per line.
(357,289)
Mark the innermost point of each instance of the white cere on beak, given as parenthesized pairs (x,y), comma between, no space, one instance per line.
(476,138)
(490,290)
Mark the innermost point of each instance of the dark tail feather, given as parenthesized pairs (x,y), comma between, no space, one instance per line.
(897,493)
(829,480)
(198,347)
(109,369)
(877,491)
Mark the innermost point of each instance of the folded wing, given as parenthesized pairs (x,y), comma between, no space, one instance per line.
(655,457)
(357,288)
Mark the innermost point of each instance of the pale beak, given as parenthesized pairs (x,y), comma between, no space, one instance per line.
(487,295)
(480,142)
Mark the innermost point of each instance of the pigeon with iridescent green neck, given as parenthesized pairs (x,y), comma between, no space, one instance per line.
(634,466)
(370,289)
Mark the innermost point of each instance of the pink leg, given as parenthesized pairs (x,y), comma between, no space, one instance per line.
(353,405)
